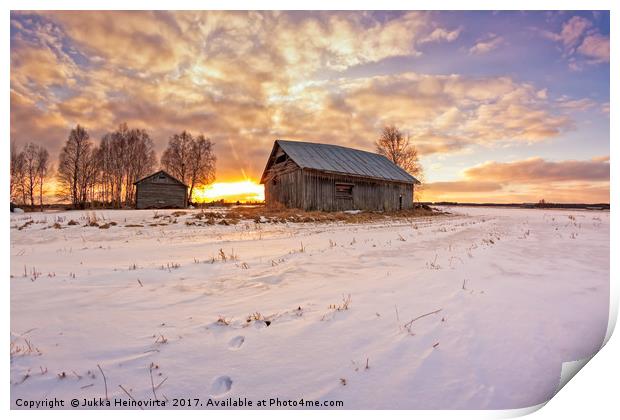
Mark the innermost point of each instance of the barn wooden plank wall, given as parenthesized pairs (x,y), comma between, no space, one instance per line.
(319,193)
(285,189)
(315,190)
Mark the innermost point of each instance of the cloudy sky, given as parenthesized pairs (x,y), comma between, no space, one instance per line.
(505,106)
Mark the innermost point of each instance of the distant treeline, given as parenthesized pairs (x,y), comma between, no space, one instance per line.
(543,205)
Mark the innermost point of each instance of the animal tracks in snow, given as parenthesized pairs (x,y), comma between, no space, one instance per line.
(220,386)
(236,342)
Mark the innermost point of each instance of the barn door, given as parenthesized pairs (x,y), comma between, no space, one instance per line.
(344,196)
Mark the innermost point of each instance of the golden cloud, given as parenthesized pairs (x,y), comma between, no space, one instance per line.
(537,170)
(31,123)
(245,78)
(527,180)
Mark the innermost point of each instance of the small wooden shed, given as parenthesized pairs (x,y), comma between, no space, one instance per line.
(160,190)
(314,176)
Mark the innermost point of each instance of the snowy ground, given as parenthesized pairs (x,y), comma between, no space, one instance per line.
(517,292)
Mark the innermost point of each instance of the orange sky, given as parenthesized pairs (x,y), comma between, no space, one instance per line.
(502,106)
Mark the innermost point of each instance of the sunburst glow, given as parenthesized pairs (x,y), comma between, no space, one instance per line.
(244,191)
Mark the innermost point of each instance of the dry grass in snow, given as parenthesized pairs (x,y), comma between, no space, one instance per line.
(473,309)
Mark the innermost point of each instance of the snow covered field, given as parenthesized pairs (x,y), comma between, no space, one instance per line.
(313,311)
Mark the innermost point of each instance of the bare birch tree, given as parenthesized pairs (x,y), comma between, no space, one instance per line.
(18,189)
(140,160)
(74,167)
(201,163)
(42,172)
(35,159)
(190,159)
(30,172)
(176,156)
(398,148)
(29,169)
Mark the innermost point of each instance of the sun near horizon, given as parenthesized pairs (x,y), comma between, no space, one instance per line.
(247,190)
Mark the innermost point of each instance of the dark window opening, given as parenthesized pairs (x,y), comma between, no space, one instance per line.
(344,190)
(280,158)
(274,182)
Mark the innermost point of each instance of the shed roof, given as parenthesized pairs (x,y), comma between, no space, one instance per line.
(339,159)
(160,172)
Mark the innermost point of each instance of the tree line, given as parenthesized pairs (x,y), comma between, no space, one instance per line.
(29,173)
(103,175)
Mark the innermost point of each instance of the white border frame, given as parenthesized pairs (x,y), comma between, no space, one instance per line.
(592,394)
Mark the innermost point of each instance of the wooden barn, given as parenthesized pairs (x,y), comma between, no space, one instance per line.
(160,190)
(313,176)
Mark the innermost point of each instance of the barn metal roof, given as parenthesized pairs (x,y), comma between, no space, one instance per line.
(332,158)
(160,172)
